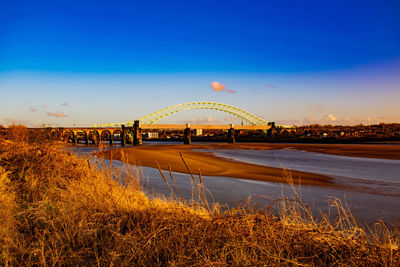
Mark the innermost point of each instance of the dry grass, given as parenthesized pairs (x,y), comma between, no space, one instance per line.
(17,133)
(57,209)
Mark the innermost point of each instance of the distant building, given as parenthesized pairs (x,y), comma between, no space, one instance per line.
(198,132)
(151,135)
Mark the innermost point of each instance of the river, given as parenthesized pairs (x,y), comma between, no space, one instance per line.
(378,178)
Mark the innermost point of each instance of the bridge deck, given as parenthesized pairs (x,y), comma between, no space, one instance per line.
(204,127)
(171,127)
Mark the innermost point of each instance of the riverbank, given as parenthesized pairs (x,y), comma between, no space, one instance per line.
(60,209)
(169,157)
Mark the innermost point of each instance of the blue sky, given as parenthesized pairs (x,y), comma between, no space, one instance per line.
(293,62)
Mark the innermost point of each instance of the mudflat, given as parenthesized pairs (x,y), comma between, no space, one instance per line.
(174,157)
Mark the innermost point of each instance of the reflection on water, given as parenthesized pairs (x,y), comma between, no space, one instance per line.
(377,176)
(365,206)
(353,167)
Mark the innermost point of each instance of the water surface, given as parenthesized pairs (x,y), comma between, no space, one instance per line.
(379,200)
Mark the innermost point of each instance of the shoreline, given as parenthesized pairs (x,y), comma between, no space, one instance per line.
(47,190)
(378,151)
(168,157)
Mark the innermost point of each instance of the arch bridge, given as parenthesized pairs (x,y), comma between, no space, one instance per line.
(162,113)
(110,131)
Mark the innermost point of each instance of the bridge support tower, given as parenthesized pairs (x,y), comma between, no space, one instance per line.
(123,135)
(96,139)
(231,135)
(86,137)
(111,140)
(60,133)
(137,133)
(187,136)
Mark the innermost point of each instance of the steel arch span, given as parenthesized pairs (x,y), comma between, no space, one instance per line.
(162,113)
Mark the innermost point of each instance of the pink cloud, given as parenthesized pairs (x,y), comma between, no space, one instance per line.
(220,87)
(32,109)
(59,114)
(329,118)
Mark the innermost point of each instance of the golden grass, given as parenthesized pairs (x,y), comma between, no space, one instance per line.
(17,133)
(58,209)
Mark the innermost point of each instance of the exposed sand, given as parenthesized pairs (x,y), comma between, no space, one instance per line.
(169,156)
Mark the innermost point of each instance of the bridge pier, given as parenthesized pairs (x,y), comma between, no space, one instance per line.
(137,133)
(123,135)
(187,136)
(87,139)
(60,133)
(270,132)
(231,135)
(129,131)
(96,140)
(110,141)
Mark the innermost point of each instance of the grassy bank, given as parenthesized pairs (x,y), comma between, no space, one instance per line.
(57,209)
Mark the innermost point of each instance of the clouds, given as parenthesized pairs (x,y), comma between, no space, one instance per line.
(53,114)
(329,118)
(220,87)
(58,114)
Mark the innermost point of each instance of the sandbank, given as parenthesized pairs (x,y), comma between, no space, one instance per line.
(169,157)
